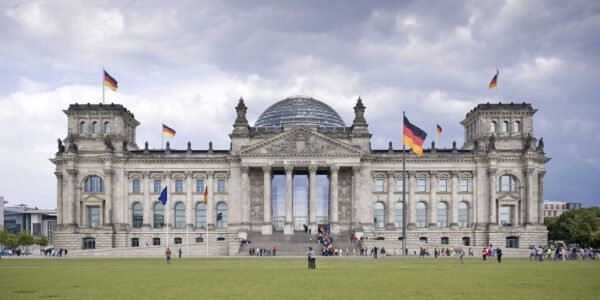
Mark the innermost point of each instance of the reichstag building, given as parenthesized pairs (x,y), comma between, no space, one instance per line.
(300,166)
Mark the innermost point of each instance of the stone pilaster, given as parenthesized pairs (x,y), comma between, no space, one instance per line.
(289,225)
(531,206)
(333,199)
(540,198)
(493,206)
(433,201)
(108,192)
(148,203)
(210,207)
(410,202)
(59,198)
(267,227)
(190,207)
(245,207)
(389,218)
(454,201)
(70,206)
(356,198)
(169,208)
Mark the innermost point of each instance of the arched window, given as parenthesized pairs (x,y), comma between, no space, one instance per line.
(493,126)
(82,127)
(442,214)
(95,127)
(398,220)
(137,216)
(222,215)
(379,215)
(159,215)
(107,128)
(504,127)
(516,127)
(421,215)
(507,183)
(93,184)
(179,215)
(201,215)
(463,214)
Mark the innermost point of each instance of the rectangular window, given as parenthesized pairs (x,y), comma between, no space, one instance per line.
(156,241)
(422,185)
(221,185)
(464,185)
(399,185)
(506,215)
(157,186)
(93,214)
(200,186)
(512,242)
(136,186)
(135,242)
(443,185)
(179,186)
(378,185)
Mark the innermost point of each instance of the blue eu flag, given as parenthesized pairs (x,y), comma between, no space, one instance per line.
(163,196)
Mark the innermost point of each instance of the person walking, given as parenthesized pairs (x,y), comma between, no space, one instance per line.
(168,254)
(462,255)
(179,252)
(311,258)
(499,254)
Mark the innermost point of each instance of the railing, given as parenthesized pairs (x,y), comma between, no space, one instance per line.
(300,222)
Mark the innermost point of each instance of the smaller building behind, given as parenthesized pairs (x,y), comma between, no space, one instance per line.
(557,208)
(35,221)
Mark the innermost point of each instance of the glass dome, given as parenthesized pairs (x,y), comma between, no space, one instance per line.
(300,110)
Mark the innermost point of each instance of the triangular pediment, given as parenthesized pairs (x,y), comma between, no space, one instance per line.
(301,141)
(508,198)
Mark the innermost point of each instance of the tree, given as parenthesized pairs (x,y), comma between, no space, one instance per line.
(581,226)
(41,241)
(8,239)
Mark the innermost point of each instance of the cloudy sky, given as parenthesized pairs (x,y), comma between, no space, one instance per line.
(186,64)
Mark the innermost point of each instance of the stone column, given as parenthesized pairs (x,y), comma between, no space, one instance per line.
(540,198)
(389,218)
(288,228)
(148,203)
(210,206)
(267,227)
(189,206)
(169,208)
(312,196)
(108,192)
(70,205)
(245,207)
(356,198)
(411,201)
(531,206)
(454,201)
(493,207)
(59,198)
(432,200)
(333,199)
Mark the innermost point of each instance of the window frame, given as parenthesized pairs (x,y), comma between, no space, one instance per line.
(423,186)
(379,185)
(221,186)
(155,186)
(140,222)
(136,186)
(445,181)
(179,186)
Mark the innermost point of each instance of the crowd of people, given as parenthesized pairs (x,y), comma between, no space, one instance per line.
(562,253)
(263,251)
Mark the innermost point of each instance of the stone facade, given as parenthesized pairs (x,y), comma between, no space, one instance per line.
(490,191)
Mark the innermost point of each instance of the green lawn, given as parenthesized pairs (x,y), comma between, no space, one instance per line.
(289,278)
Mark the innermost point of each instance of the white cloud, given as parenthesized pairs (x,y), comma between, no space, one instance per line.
(32,17)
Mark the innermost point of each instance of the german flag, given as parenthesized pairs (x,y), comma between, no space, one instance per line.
(439,130)
(168,131)
(494,81)
(110,82)
(414,137)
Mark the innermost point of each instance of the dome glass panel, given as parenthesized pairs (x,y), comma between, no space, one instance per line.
(300,110)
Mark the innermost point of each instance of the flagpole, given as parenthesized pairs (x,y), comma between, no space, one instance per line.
(162,139)
(207,233)
(404,206)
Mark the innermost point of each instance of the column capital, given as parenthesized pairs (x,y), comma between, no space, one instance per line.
(108,172)
(59,175)
(72,172)
(334,168)
(188,174)
(289,169)
(356,168)
(266,169)
(210,173)
(411,173)
(528,171)
(391,174)
(542,174)
(146,174)
(312,169)
(492,171)
(244,169)
(455,173)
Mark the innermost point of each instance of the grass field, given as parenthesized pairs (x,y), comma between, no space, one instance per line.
(289,278)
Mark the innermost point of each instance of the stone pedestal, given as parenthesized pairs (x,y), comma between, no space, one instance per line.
(266,229)
(288,229)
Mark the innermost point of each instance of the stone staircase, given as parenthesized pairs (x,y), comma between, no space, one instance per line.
(220,248)
(296,244)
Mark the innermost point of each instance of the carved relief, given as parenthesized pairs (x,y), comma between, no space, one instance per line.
(345,196)
(256,196)
(301,142)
